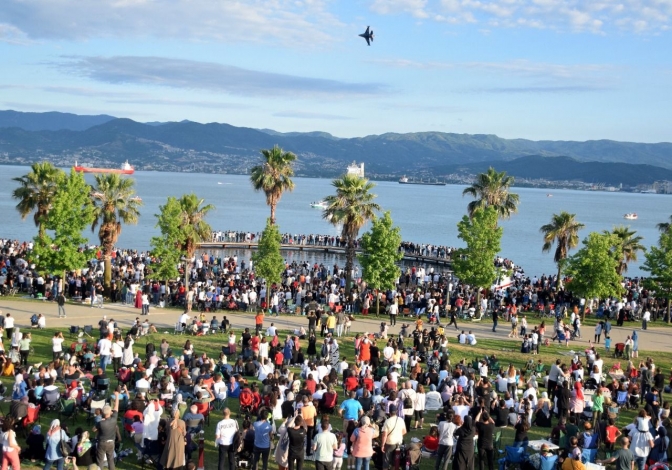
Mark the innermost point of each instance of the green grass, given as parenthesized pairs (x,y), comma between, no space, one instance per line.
(507,352)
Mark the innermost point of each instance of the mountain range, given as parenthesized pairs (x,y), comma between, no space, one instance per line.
(190,146)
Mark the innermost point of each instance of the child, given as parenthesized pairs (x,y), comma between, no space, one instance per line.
(138,429)
(607,343)
(611,434)
(340,453)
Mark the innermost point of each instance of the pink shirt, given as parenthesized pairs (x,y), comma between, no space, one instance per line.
(362,439)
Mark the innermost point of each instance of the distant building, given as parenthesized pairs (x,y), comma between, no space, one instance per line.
(353,169)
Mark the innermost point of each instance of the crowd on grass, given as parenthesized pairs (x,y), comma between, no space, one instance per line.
(333,411)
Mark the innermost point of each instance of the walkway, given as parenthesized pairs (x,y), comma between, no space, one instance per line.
(654,339)
(317,249)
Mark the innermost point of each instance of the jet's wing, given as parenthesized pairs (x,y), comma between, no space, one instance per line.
(368,43)
(367,30)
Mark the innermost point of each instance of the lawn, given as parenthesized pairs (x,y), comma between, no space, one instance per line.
(507,352)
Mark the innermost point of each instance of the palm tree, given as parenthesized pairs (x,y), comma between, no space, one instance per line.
(36,191)
(628,247)
(273,176)
(564,231)
(664,227)
(115,204)
(194,227)
(352,207)
(492,189)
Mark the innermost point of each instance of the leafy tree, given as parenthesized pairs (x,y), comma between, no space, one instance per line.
(627,248)
(664,226)
(564,231)
(274,176)
(166,248)
(268,261)
(115,204)
(658,262)
(474,265)
(351,207)
(380,253)
(36,191)
(492,189)
(70,212)
(593,268)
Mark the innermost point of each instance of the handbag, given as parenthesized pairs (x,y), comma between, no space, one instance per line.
(64,446)
(237,443)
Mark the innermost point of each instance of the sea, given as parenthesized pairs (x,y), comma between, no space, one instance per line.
(425,214)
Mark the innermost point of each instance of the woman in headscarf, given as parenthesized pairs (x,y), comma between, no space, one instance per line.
(54,456)
(173,456)
(127,353)
(577,400)
(19,390)
(85,456)
(464,449)
(635,344)
(138,299)
(334,353)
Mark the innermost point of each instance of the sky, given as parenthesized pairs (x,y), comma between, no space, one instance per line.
(535,69)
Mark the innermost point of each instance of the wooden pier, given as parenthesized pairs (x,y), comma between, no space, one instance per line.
(408,258)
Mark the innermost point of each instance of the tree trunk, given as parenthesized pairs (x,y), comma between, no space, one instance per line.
(478,302)
(107,274)
(558,282)
(273,204)
(377,302)
(669,320)
(349,262)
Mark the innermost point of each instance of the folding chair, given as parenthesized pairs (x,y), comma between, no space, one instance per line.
(513,457)
(74,330)
(95,405)
(68,409)
(179,329)
(588,455)
(33,416)
(548,462)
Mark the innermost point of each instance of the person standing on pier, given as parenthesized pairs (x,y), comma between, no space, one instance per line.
(393,310)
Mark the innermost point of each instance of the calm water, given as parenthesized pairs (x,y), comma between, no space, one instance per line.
(424,213)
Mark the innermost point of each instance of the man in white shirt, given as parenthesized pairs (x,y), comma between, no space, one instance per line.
(462,338)
(271,330)
(226,430)
(599,363)
(104,351)
(391,435)
(645,319)
(142,384)
(388,353)
(471,339)
(446,440)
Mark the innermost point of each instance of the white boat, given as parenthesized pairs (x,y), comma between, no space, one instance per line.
(549,195)
(630,216)
(319,205)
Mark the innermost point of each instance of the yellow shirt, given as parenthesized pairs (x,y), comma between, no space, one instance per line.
(331,321)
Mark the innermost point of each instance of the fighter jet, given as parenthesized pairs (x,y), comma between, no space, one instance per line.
(368,35)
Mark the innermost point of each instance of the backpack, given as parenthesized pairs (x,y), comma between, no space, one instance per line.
(33,319)
(408,403)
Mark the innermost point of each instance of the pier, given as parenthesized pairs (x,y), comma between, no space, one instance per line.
(408,257)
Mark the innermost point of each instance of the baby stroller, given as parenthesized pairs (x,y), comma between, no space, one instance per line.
(619,350)
(412,456)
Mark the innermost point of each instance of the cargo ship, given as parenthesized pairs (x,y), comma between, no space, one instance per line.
(126,169)
(404,180)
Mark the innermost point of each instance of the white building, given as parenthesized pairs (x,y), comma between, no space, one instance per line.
(353,169)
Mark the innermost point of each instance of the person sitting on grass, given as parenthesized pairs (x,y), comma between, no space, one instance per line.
(430,443)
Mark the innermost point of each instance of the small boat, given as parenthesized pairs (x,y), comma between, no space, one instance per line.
(126,169)
(319,205)
(630,216)
(219,182)
(549,195)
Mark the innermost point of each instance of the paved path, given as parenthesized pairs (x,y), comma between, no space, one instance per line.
(654,339)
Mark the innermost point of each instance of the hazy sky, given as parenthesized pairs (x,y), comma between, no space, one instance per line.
(538,69)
